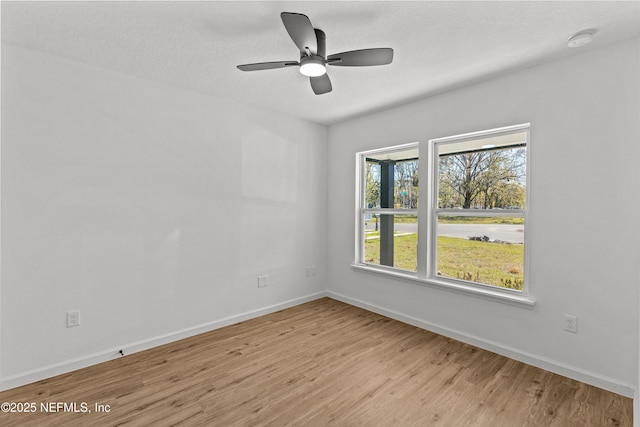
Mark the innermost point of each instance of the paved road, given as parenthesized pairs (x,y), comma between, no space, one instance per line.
(505,232)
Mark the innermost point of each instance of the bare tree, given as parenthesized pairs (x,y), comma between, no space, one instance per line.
(372,184)
(485,179)
(406,184)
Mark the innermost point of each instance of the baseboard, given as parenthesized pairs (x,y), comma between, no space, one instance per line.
(525,357)
(550,365)
(636,408)
(104,356)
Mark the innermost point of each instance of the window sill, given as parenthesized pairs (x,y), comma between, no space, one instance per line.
(519,300)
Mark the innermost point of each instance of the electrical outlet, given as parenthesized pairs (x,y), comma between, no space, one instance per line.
(262,281)
(310,270)
(73,318)
(571,323)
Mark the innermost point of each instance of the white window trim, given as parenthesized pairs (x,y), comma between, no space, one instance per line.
(427,217)
(488,293)
(360,202)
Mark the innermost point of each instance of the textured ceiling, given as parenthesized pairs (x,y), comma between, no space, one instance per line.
(197,45)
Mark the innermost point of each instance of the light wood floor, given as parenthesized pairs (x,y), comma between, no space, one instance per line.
(320,363)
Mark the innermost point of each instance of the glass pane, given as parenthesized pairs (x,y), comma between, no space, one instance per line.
(406,184)
(391,240)
(487,178)
(487,250)
(371,185)
(399,192)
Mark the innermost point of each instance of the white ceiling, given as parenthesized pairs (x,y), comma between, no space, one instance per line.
(196,45)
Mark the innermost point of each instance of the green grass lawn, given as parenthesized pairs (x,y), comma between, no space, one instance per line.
(497,264)
(479,220)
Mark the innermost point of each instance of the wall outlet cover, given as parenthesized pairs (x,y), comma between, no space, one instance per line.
(262,281)
(570,323)
(73,318)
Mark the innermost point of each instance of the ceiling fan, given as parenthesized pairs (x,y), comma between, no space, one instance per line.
(313,60)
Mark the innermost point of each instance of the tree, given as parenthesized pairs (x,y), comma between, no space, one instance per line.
(485,179)
(406,184)
(372,184)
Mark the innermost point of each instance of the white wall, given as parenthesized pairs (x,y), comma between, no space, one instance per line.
(584,238)
(150,208)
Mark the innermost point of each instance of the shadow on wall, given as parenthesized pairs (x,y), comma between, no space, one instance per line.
(269,185)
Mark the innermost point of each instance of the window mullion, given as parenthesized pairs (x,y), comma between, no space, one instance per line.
(425,178)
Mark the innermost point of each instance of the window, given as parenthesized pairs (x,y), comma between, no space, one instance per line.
(477,209)
(388,214)
(468,232)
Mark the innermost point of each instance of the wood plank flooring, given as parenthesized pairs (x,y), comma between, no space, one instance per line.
(318,364)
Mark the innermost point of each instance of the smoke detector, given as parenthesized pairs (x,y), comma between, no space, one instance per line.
(580,39)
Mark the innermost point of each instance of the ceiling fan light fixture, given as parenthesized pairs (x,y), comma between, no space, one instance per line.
(312,66)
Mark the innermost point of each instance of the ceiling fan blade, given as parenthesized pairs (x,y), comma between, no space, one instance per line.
(320,84)
(362,58)
(301,31)
(266,65)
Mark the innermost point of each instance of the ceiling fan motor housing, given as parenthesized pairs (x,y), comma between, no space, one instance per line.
(312,64)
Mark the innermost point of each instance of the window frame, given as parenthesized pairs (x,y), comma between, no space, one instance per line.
(362,209)
(427,213)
